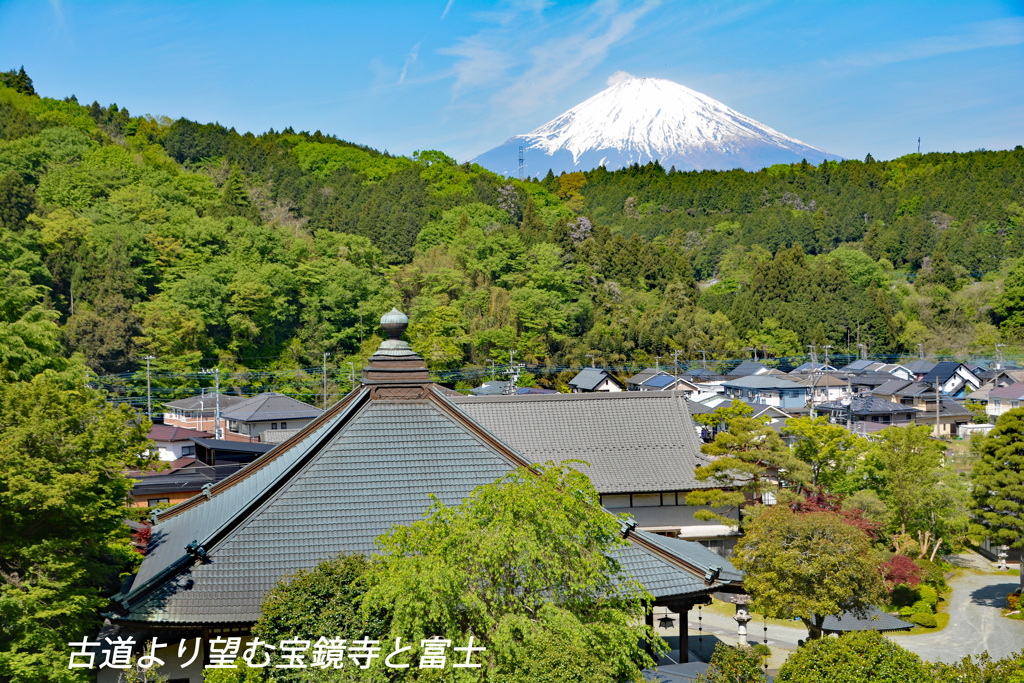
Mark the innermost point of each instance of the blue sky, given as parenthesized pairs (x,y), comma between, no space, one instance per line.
(848,77)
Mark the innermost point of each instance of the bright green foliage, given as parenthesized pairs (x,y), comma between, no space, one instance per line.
(828,449)
(905,467)
(982,669)
(807,566)
(859,657)
(325,601)
(997,498)
(733,665)
(524,566)
(62,493)
(747,459)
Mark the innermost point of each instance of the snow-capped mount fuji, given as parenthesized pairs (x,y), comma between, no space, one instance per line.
(645,119)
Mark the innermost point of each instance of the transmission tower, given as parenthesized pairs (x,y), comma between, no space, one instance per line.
(520,162)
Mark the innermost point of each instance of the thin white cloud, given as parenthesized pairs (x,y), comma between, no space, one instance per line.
(479,63)
(1001,33)
(410,59)
(619,76)
(564,60)
(58,10)
(446,8)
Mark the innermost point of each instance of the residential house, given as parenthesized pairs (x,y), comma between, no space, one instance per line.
(781,393)
(380,457)
(823,388)
(224,452)
(954,379)
(653,379)
(860,367)
(869,409)
(247,420)
(173,442)
(1002,399)
(594,379)
(199,412)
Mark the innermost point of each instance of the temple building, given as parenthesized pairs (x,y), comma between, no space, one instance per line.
(372,461)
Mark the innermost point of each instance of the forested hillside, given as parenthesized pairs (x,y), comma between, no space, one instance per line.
(125,236)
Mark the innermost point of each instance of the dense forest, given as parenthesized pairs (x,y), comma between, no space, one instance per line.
(126,236)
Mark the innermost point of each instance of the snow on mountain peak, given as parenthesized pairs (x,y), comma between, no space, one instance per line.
(637,120)
(653,116)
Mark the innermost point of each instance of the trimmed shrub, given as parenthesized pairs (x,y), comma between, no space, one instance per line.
(860,657)
(906,611)
(926,620)
(929,595)
(933,574)
(733,665)
(921,607)
(904,596)
(762,650)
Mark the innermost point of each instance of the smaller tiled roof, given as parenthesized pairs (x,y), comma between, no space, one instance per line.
(697,408)
(873,620)
(867,406)
(643,376)
(823,381)
(702,375)
(170,433)
(660,381)
(763,382)
(1013,391)
(270,406)
(588,379)
(495,388)
(857,366)
(941,372)
(951,408)
(871,379)
(226,446)
(809,367)
(205,402)
(982,392)
(747,368)
(920,367)
(916,389)
(536,390)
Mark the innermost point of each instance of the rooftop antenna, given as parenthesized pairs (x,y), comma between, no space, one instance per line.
(521,159)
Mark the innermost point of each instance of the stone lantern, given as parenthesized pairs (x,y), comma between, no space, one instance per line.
(1004,552)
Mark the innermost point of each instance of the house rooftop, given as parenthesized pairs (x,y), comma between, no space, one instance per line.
(206,402)
(588,379)
(1013,391)
(270,406)
(763,382)
(867,406)
(170,433)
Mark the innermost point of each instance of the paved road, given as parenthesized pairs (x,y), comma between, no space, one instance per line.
(976,624)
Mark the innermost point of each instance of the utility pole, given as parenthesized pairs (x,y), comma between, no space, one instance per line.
(938,404)
(511,355)
(492,368)
(362,359)
(849,409)
(353,367)
(826,347)
(591,357)
(704,358)
(999,356)
(216,415)
(326,354)
(920,351)
(814,356)
(657,367)
(149,390)
(675,360)
(863,351)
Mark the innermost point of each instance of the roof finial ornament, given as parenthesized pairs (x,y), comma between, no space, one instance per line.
(394,323)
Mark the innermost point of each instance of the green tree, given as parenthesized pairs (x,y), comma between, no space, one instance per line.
(828,449)
(807,566)
(859,657)
(525,566)
(997,497)
(748,458)
(63,452)
(905,468)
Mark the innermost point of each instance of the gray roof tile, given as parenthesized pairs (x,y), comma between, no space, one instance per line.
(634,441)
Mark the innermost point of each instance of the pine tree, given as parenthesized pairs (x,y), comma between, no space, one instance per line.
(997,499)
